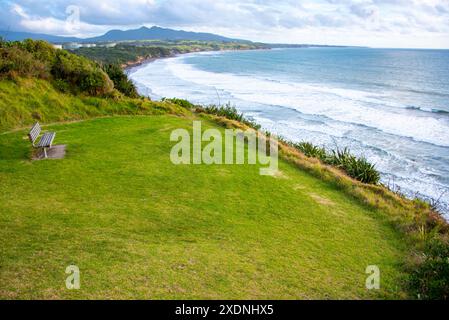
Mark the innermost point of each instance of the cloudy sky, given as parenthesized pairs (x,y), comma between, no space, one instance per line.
(377,23)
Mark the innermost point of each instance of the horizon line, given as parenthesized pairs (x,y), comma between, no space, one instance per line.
(268,43)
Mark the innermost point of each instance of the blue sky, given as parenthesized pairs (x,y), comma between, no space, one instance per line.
(377,23)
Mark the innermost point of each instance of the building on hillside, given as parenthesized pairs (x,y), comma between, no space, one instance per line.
(57,46)
(71,46)
(108,45)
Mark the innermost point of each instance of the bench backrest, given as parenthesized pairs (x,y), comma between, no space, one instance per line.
(34,132)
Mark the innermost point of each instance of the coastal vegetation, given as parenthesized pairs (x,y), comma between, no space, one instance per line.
(187,231)
(357,168)
(67,72)
(121,81)
(25,101)
(130,53)
(40,83)
(228,111)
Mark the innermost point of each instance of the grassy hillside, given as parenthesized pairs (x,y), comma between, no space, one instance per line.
(25,101)
(117,171)
(140,227)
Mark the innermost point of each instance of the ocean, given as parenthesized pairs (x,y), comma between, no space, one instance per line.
(389,105)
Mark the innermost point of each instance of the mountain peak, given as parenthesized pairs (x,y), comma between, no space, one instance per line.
(142,33)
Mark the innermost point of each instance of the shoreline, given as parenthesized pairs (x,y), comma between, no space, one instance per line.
(142,61)
(129,66)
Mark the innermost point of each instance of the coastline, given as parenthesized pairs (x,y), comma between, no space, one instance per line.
(130,65)
(143,61)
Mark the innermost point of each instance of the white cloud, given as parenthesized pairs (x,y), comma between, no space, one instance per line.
(410,23)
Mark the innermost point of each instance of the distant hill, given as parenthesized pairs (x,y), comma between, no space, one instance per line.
(19,36)
(143,33)
(157,33)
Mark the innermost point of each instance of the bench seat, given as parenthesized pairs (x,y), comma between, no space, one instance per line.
(46,140)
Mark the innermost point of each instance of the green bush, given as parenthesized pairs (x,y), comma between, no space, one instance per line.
(95,83)
(430,277)
(83,75)
(41,50)
(181,102)
(358,168)
(15,61)
(311,150)
(61,86)
(38,59)
(121,80)
(230,112)
(363,171)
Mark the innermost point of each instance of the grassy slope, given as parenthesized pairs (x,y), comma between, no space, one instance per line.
(141,227)
(26,101)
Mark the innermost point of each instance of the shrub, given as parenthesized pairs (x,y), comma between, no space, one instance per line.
(41,50)
(311,150)
(358,168)
(121,81)
(230,112)
(82,74)
(39,59)
(364,171)
(181,102)
(430,276)
(61,85)
(15,61)
(95,83)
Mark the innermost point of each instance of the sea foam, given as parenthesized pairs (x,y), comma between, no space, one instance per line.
(350,106)
(408,143)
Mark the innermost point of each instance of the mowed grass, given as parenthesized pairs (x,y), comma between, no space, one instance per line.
(140,227)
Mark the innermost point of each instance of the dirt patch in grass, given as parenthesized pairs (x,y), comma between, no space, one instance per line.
(321,200)
(280,175)
(55,152)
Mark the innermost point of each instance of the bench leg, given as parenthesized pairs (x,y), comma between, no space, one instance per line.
(45,153)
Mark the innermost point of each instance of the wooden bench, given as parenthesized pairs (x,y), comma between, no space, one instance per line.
(45,141)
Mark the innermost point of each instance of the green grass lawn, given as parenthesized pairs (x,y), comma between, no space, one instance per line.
(140,227)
